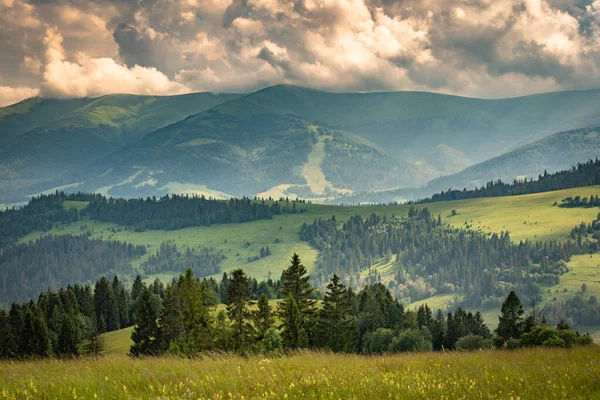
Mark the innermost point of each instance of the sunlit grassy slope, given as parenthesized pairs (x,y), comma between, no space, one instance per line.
(526,374)
(530,217)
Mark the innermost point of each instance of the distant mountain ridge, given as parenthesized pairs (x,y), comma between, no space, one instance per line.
(282,140)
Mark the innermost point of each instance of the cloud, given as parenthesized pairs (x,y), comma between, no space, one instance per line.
(12,95)
(90,77)
(486,48)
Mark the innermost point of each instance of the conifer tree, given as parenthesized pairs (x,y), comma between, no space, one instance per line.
(94,345)
(145,334)
(8,343)
(171,318)
(334,322)
(510,320)
(296,310)
(263,317)
(222,331)
(197,317)
(68,337)
(292,327)
(106,305)
(237,309)
(224,288)
(35,333)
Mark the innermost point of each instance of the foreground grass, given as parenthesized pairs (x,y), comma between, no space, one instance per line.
(526,374)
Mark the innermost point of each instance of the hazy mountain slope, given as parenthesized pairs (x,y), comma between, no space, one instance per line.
(32,113)
(556,152)
(553,153)
(60,151)
(409,124)
(246,153)
(244,144)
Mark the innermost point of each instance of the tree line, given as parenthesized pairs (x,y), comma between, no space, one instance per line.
(172,212)
(168,257)
(53,261)
(434,258)
(182,319)
(370,321)
(69,321)
(583,174)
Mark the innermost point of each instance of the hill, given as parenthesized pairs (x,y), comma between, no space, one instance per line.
(556,152)
(68,136)
(250,153)
(411,123)
(143,145)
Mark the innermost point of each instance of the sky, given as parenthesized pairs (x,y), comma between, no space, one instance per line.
(478,48)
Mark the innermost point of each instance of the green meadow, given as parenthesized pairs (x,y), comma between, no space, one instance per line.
(537,373)
(527,217)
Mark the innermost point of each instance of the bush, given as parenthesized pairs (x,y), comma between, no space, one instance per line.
(473,342)
(378,341)
(410,340)
(272,340)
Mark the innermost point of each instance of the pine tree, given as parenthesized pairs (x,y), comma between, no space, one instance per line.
(94,345)
(237,309)
(224,288)
(145,334)
(296,310)
(8,343)
(197,318)
(222,332)
(334,322)
(263,317)
(510,320)
(68,337)
(172,329)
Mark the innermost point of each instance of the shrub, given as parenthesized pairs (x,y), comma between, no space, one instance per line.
(378,341)
(410,340)
(272,340)
(473,342)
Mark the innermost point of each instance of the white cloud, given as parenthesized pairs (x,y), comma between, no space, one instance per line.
(11,95)
(488,48)
(97,76)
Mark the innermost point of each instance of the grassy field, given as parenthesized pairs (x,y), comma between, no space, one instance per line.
(525,374)
(530,217)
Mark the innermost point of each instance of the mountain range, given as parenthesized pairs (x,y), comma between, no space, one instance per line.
(289,141)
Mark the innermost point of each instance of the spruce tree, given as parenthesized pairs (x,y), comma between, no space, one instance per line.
(36,333)
(8,343)
(145,334)
(106,305)
(237,310)
(334,322)
(197,318)
(510,320)
(263,317)
(94,345)
(171,318)
(292,327)
(222,332)
(68,337)
(296,310)
(224,288)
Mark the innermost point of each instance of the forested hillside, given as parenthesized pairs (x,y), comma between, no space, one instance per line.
(287,140)
(48,143)
(431,258)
